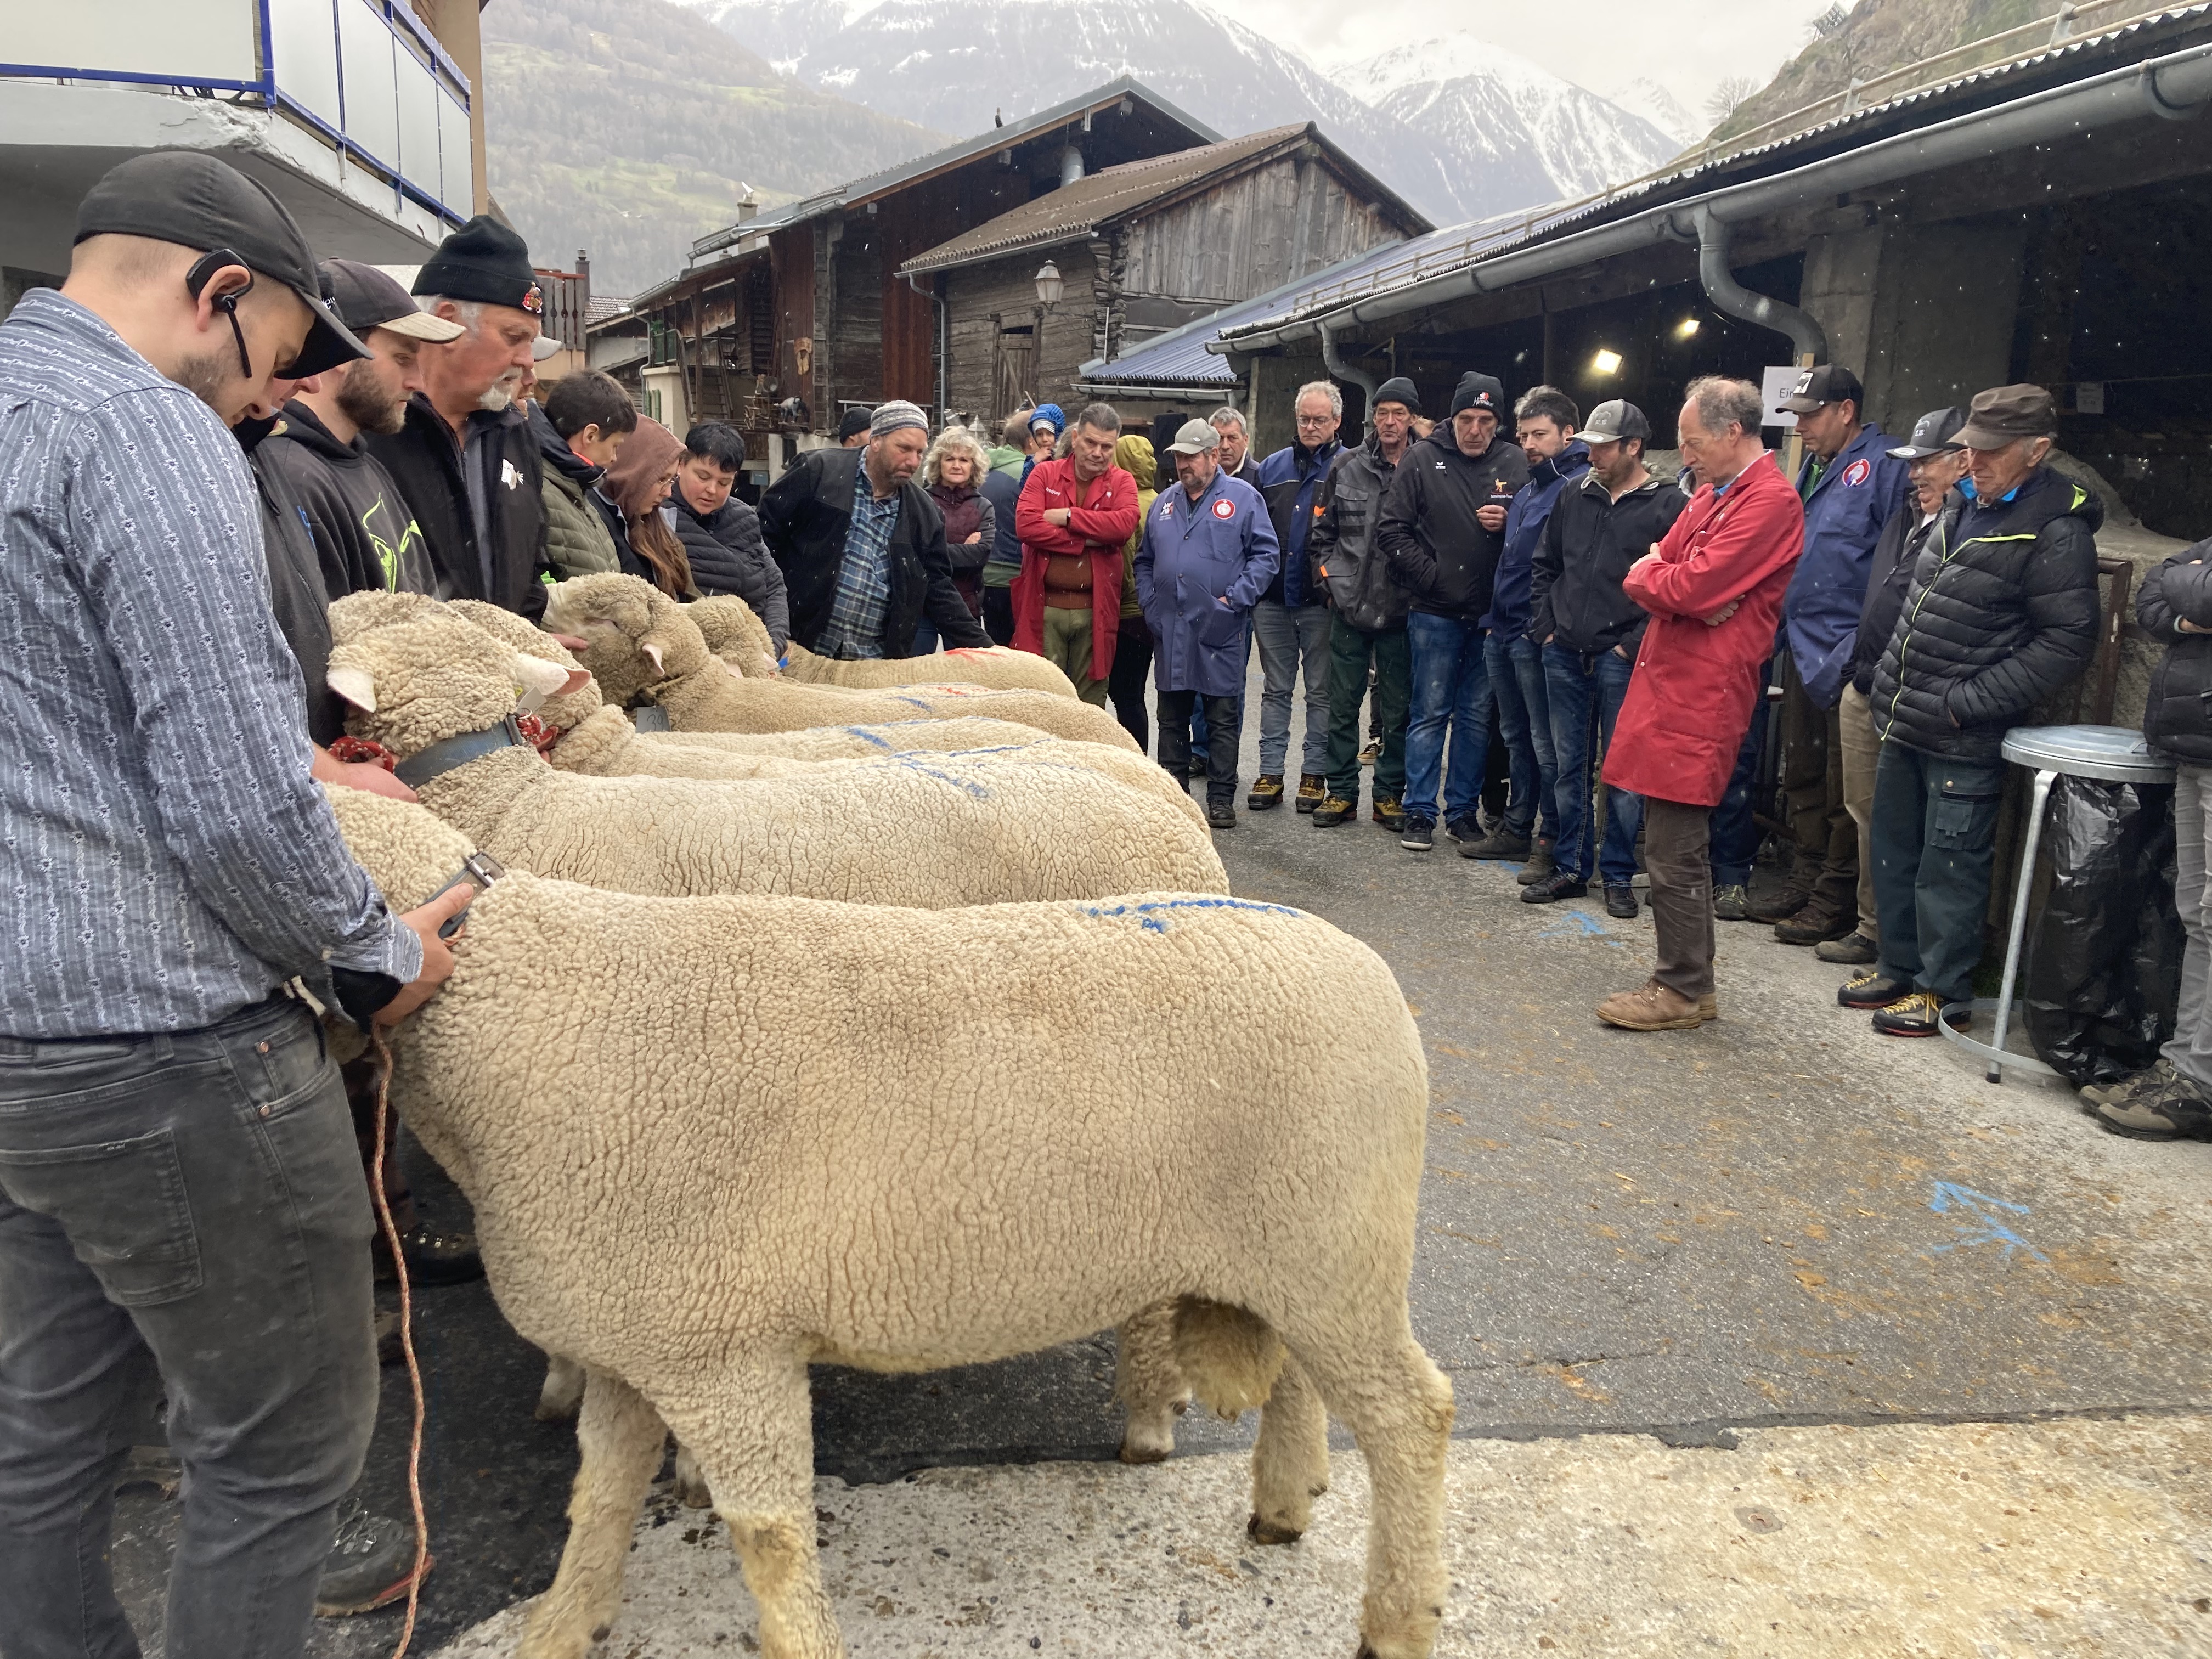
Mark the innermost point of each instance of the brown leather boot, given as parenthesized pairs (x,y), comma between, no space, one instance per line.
(1267,792)
(1656,1007)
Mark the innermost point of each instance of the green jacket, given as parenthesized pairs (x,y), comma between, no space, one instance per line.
(576,539)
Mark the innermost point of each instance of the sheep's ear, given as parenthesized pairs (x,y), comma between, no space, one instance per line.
(651,649)
(541,679)
(356,685)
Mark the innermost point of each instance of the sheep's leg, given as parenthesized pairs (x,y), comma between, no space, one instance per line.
(621,1439)
(1149,1384)
(690,1481)
(563,1391)
(1289,1464)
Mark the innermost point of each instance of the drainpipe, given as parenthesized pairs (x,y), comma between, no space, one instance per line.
(943,391)
(1808,342)
(1334,361)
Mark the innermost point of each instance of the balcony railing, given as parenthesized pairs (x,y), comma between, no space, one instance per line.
(365,75)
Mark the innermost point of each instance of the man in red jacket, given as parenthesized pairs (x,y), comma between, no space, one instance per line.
(1075,515)
(1714,588)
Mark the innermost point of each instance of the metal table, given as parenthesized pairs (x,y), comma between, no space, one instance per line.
(2113,754)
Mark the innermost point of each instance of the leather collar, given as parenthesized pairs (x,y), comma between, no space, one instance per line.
(449,753)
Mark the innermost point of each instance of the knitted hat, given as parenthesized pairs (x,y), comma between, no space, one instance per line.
(1397,390)
(1049,415)
(853,421)
(486,262)
(895,414)
(1478,392)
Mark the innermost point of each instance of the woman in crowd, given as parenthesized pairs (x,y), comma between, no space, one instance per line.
(1133,646)
(638,482)
(952,473)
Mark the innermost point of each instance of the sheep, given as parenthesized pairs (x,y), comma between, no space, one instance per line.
(641,642)
(708,1141)
(734,632)
(739,637)
(928,829)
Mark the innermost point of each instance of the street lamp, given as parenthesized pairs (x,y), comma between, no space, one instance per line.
(1049,287)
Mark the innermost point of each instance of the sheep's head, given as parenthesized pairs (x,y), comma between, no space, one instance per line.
(357,613)
(435,676)
(635,636)
(562,710)
(734,633)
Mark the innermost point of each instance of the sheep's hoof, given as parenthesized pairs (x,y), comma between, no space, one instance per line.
(693,1494)
(1130,1454)
(552,1412)
(1267,1532)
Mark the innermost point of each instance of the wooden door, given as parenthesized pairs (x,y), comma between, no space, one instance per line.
(1012,384)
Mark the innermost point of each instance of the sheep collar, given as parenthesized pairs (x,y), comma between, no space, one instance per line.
(449,754)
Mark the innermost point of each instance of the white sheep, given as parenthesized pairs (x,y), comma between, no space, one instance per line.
(735,633)
(641,644)
(710,1141)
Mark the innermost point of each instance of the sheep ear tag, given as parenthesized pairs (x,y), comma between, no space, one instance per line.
(356,685)
(541,679)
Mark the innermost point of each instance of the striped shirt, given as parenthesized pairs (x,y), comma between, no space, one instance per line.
(166,857)
(855,628)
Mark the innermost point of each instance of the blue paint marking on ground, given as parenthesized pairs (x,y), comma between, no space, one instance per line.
(1149,919)
(1579,923)
(1976,1223)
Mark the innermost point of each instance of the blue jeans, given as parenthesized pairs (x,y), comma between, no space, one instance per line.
(190,1202)
(1734,829)
(1585,692)
(1515,669)
(1450,690)
(1291,641)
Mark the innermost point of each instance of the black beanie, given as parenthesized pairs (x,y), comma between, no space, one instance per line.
(486,262)
(1397,390)
(1478,392)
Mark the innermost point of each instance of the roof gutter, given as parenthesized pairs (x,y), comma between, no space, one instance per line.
(1808,340)
(2174,87)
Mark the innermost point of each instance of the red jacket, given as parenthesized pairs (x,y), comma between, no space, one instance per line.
(1690,699)
(1101,528)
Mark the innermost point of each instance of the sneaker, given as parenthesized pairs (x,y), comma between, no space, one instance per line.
(1466,827)
(2160,1074)
(1497,844)
(1221,814)
(1656,1007)
(1420,835)
(2173,1112)
(371,1564)
(1541,864)
(1731,903)
(1916,1016)
(435,1256)
(1872,989)
(1620,900)
(1313,789)
(1372,753)
(1816,924)
(1778,906)
(1853,950)
(1334,810)
(1553,887)
(1267,792)
(1387,813)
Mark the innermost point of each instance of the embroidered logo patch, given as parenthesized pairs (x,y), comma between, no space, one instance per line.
(1224,509)
(1858,472)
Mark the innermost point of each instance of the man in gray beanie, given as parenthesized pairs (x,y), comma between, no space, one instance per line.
(861,546)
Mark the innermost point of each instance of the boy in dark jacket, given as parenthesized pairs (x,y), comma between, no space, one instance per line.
(720,534)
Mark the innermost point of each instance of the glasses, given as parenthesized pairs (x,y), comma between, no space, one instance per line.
(1316,420)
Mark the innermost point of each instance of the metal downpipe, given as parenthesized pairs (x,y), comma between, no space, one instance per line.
(1334,360)
(1808,341)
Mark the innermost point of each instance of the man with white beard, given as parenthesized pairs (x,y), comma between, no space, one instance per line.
(465,458)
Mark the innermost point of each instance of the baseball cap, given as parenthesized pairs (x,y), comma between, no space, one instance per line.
(194,201)
(1196,438)
(2004,413)
(1612,420)
(545,346)
(366,298)
(1934,433)
(1830,383)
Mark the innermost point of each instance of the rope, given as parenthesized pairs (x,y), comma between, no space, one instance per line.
(406,1342)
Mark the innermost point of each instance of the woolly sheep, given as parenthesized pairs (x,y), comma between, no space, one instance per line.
(708,1141)
(922,830)
(736,634)
(641,640)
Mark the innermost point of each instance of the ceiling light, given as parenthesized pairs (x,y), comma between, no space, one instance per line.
(1606,363)
(1686,328)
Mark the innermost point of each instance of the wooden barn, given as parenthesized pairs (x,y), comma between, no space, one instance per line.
(1123,255)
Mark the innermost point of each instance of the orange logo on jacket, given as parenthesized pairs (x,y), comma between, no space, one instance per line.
(1224,509)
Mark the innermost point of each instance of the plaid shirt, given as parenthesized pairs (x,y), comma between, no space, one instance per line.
(855,628)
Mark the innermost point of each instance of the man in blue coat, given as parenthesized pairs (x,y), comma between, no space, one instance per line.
(1852,487)
(1206,555)
(1291,623)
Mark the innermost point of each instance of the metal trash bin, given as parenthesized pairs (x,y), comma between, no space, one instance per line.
(2113,754)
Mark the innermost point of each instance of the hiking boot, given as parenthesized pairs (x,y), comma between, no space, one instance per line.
(1387,813)
(1915,1016)
(1221,814)
(1853,950)
(1334,810)
(1872,989)
(1778,906)
(1372,753)
(2159,1075)
(1817,923)
(370,1566)
(1554,887)
(2173,1111)
(1499,843)
(1656,1007)
(1620,900)
(1540,865)
(1313,788)
(1466,827)
(1420,835)
(1267,792)
(1731,903)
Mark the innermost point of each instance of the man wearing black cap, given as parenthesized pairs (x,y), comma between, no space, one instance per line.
(1443,529)
(180,1189)
(465,457)
(853,427)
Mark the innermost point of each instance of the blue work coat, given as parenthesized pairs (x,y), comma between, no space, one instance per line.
(1200,567)
(1843,519)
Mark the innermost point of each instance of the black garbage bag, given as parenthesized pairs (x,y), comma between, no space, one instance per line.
(2102,962)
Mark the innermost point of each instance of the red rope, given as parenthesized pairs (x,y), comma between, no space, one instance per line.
(406,1343)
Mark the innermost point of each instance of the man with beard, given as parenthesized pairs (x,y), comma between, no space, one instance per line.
(365,533)
(464,457)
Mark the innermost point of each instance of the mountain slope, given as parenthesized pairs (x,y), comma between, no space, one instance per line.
(627,128)
(1647,98)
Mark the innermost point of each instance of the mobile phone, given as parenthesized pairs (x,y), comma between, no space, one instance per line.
(479,871)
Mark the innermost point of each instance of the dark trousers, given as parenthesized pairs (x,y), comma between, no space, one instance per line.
(190,1205)
(1226,728)
(1677,853)
(1583,692)
(1826,839)
(1934,834)
(1126,681)
(998,615)
(1352,652)
(1735,822)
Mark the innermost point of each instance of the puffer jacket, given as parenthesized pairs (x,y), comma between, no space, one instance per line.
(577,541)
(1438,548)
(1290,483)
(2001,612)
(2178,717)
(1347,565)
(727,556)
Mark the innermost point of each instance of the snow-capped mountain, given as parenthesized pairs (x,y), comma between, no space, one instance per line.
(1495,108)
(1647,98)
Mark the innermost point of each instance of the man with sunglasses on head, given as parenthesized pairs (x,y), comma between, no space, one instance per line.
(180,1201)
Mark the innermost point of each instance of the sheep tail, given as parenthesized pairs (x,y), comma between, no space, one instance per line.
(1230,1358)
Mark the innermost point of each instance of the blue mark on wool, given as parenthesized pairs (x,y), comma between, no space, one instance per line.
(1148,913)
(1579,923)
(1975,1222)
(929,765)
(866,736)
(913,703)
